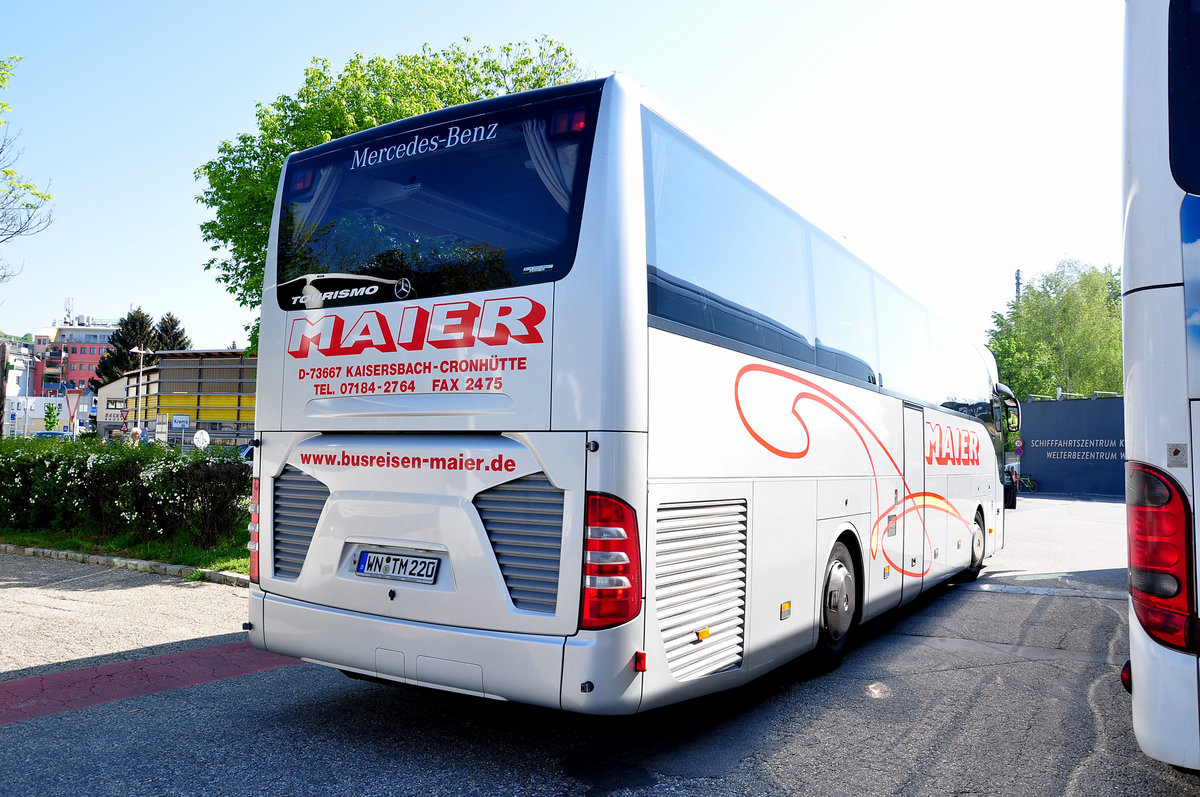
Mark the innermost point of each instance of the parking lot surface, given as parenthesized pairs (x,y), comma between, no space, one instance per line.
(1006,686)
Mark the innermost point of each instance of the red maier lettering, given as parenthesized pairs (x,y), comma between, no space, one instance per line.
(513,317)
(462,324)
(322,334)
(414,321)
(946,455)
(370,331)
(947,445)
(451,325)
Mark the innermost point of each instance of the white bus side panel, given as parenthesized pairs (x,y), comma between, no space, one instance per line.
(599,337)
(1155,351)
(1152,197)
(1166,716)
(827,459)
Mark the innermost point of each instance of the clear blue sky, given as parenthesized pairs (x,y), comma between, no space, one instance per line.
(946,143)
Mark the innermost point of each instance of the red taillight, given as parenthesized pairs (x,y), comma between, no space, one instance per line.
(612,564)
(1158,521)
(252,546)
(568,121)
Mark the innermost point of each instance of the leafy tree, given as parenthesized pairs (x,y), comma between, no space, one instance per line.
(242,179)
(171,335)
(24,208)
(135,330)
(138,330)
(50,416)
(1063,331)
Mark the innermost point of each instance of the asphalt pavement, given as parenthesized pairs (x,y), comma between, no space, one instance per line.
(1005,686)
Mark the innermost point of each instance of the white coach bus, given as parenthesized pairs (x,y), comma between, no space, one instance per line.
(557,407)
(1161,310)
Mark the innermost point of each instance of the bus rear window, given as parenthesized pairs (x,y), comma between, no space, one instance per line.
(1183,91)
(429,208)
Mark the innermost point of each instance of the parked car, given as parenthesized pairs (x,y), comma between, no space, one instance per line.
(53,435)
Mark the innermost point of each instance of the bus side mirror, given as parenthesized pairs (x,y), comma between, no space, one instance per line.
(1012,417)
(1012,408)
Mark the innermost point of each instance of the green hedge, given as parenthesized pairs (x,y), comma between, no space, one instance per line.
(145,491)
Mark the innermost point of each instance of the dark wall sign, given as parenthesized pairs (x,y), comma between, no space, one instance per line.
(1076,446)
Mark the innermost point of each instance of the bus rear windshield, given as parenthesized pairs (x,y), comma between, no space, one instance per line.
(428,209)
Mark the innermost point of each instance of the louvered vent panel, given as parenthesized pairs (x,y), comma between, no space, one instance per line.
(523,520)
(299,499)
(700,584)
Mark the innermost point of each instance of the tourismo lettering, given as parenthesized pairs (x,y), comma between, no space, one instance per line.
(454,136)
(344,293)
(950,445)
(497,322)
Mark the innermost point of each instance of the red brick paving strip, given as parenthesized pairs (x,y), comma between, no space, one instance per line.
(56,693)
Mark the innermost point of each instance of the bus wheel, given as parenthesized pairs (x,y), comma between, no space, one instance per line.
(839,604)
(972,572)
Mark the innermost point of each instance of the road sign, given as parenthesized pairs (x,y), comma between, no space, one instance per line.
(73,402)
(72,408)
(181,420)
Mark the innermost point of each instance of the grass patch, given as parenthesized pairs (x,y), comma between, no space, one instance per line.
(230,553)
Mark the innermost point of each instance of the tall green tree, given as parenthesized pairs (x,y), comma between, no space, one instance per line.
(171,335)
(135,330)
(1063,331)
(50,417)
(242,179)
(24,208)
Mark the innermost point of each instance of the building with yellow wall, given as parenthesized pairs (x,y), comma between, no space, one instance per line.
(183,392)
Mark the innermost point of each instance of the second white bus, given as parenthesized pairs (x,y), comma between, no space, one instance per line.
(1161,313)
(556,406)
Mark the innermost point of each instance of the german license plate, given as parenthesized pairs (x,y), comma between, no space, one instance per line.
(400,567)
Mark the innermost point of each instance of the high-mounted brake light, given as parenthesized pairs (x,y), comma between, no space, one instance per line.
(302,181)
(1159,527)
(252,546)
(569,121)
(612,564)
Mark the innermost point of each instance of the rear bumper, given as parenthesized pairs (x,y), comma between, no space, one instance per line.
(521,667)
(1166,699)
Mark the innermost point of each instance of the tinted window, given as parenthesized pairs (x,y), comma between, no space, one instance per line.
(437,205)
(904,351)
(845,311)
(711,227)
(1183,87)
(731,265)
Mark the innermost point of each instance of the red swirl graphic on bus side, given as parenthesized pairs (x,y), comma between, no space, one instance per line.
(801,390)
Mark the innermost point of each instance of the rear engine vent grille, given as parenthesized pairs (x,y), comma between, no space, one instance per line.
(523,520)
(298,501)
(700,585)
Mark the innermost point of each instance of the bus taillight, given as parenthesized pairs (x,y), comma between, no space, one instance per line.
(568,121)
(252,546)
(612,566)
(1160,557)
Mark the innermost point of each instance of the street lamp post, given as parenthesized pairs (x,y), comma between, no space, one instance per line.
(30,370)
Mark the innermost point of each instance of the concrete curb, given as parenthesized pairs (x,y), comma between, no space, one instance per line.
(160,568)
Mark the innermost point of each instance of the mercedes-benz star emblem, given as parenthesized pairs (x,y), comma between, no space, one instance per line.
(404,288)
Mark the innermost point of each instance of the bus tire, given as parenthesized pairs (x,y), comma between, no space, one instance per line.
(839,605)
(977,540)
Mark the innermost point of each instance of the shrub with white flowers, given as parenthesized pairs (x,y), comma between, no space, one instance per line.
(111,490)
